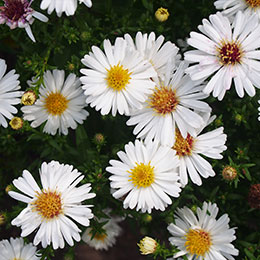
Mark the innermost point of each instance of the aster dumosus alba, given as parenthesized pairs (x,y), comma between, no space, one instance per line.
(154,50)
(172,103)
(145,176)
(231,7)
(17,249)
(117,79)
(67,6)
(9,94)
(60,104)
(51,209)
(192,150)
(202,236)
(226,52)
(19,13)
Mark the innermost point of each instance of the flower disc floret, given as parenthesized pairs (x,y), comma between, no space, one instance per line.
(48,204)
(142,175)
(230,53)
(163,100)
(198,242)
(56,103)
(183,146)
(253,3)
(118,77)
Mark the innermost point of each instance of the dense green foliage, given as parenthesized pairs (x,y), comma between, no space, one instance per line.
(61,43)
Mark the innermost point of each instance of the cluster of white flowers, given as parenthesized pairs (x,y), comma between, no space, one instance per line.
(143,78)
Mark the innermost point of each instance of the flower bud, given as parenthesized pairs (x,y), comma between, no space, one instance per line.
(99,139)
(147,246)
(162,14)
(229,173)
(28,98)
(16,123)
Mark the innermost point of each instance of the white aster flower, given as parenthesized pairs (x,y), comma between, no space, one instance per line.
(9,96)
(202,237)
(118,79)
(231,7)
(190,149)
(146,175)
(60,103)
(227,52)
(67,6)
(102,241)
(52,208)
(171,103)
(154,51)
(16,249)
(18,13)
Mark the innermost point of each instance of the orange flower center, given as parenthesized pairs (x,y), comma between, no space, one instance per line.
(56,103)
(253,3)
(183,146)
(163,100)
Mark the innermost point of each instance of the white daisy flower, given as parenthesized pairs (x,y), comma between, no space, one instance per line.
(202,237)
(9,96)
(190,149)
(17,249)
(153,50)
(53,207)
(18,13)
(231,7)
(68,6)
(226,51)
(102,241)
(171,103)
(119,79)
(146,175)
(60,103)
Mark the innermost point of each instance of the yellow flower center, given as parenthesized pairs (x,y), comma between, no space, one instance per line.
(163,100)
(253,3)
(56,103)
(48,204)
(198,242)
(183,146)
(142,175)
(100,236)
(118,77)
(229,53)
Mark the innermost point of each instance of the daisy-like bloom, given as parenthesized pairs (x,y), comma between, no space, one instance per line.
(202,237)
(118,79)
(9,96)
(154,51)
(53,207)
(231,7)
(18,13)
(68,6)
(146,175)
(227,52)
(16,249)
(190,149)
(60,103)
(171,103)
(102,241)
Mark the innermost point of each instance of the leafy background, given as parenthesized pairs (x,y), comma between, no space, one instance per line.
(61,43)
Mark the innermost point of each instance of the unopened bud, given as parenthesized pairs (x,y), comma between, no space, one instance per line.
(28,98)
(147,246)
(162,14)
(16,123)
(99,138)
(229,173)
